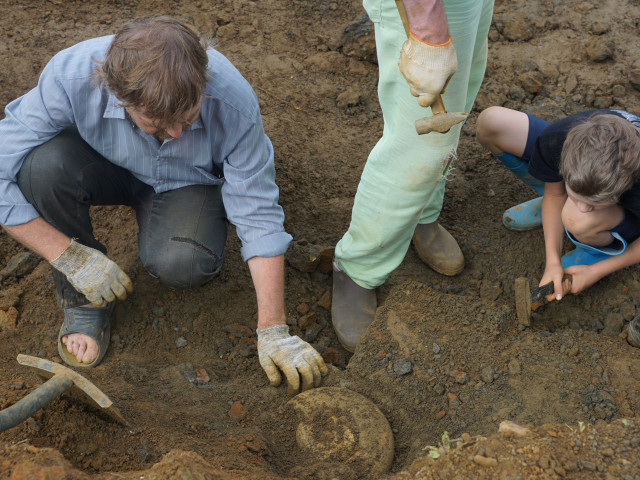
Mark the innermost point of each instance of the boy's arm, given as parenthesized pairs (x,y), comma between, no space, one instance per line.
(553,201)
(586,275)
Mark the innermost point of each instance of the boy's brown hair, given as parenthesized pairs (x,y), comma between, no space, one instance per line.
(158,65)
(601,158)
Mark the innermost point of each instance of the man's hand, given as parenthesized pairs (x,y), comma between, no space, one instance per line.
(93,274)
(295,357)
(427,68)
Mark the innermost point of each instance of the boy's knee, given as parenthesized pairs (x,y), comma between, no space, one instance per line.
(184,264)
(487,126)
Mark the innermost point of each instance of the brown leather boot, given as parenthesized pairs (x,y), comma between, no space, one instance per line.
(438,249)
(353,308)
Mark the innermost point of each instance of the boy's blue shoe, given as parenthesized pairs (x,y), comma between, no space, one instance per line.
(587,255)
(580,256)
(526,216)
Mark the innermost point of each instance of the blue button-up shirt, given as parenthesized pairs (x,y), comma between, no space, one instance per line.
(226,145)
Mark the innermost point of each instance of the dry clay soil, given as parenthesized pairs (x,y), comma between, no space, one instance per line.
(443,355)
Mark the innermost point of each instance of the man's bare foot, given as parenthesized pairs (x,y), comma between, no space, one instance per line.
(83,347)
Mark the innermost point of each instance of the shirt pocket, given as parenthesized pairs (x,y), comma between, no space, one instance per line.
(373,9)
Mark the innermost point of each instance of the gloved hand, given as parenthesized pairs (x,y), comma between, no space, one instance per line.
(93,274)
(295,357)
(427,68)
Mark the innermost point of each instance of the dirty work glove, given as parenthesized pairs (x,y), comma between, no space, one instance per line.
(93,274)
(295,357)
(427,68)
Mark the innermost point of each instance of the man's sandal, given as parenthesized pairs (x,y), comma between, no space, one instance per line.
(93,322)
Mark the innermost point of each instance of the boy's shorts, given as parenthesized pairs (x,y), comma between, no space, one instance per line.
(628,229)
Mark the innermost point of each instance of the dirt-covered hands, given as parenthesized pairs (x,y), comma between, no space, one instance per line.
(277,349)
(93,274)
(427,68)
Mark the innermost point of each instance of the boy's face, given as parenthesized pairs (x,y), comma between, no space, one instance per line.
(584,205)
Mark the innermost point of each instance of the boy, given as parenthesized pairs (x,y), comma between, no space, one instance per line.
(588,168)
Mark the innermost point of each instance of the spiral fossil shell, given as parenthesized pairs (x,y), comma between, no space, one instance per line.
(337,425)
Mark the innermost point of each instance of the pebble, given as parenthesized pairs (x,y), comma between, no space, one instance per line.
(485,461)
(487,374)
(436,348)
(181,342)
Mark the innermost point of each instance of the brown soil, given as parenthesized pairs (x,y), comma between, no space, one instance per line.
(444,354)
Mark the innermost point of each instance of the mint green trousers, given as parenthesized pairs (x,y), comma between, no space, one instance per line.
(403,181)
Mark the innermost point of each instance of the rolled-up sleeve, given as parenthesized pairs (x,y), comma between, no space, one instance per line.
(250,193)
(29,121)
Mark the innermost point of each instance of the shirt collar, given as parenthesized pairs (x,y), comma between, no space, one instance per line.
(114,109)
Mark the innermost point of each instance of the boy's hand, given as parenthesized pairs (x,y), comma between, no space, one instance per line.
(583,277)
(554,273)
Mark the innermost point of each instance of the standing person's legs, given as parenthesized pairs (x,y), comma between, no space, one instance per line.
(182,234)
(402,182)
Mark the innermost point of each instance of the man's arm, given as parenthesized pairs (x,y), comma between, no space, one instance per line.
(427,20)
(268,278)
(89,271)
(276,348)
(40,237)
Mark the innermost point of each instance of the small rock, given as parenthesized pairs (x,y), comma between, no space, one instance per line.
(510,428)
(460,377)
(202,376)
(485,461)
(348,98)
(330,355)
(599,49)
(307,320)
(487,374)
(237,411)
(402,367)
(436,348)
(20,265)
(325,300)
(181,342)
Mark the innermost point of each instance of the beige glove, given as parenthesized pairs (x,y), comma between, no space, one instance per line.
(427,68)
(93,274)
(295,357)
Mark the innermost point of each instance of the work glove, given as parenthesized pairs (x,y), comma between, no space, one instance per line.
(93,274)
(427,68)
(295,357)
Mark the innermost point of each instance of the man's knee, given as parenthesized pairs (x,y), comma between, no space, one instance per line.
(184,263)
(46,167)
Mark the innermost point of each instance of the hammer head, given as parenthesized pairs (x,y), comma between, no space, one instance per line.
(439,122)
(82,388)
(523,301)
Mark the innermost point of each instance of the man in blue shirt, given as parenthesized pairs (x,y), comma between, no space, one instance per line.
(154,119)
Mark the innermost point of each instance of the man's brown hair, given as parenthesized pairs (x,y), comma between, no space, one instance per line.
(158,65)
(601,158)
